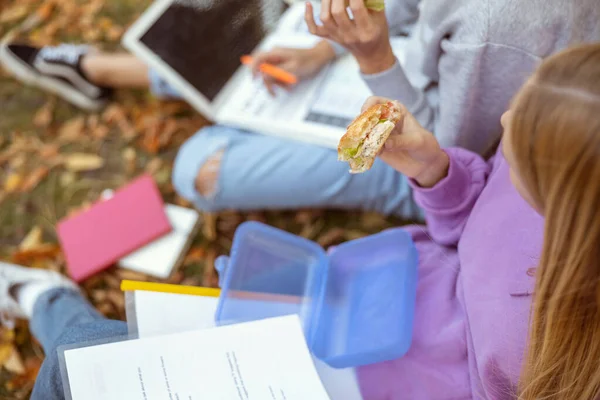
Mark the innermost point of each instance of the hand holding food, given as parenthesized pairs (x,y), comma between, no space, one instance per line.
(375,5)
(407,147)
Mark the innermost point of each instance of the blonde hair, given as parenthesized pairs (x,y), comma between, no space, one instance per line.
(555,135)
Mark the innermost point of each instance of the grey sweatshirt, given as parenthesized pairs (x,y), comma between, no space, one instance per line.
(473,56)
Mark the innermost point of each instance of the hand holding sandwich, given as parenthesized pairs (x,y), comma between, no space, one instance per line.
(365,35)
(387,129)
(412,150)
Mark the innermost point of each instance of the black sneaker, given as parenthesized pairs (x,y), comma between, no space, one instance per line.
(57,70)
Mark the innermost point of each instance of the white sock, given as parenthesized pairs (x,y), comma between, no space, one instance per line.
(29,293)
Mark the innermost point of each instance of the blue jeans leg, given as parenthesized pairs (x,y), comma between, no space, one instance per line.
(61,317)
(266,172)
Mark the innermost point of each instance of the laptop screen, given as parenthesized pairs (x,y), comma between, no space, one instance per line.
(203,40)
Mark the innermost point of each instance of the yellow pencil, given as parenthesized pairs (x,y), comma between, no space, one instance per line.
(166,288)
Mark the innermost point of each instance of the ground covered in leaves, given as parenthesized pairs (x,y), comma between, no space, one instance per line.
(56,160)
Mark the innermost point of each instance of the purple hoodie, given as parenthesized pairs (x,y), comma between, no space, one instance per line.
(476,277)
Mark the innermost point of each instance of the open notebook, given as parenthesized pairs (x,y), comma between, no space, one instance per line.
(202,61)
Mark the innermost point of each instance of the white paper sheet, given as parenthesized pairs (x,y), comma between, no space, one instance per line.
(163,313)
(167,313)
(262,360)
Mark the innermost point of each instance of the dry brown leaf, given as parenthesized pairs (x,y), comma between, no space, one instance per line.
(99,295)
(115,114)
(151,142)
(257,216)
(170,127)
(114,33)
(67,178)
(32,367)
(195,255)
(43,118)
(172,108)
(117,298)
(34,179)
(43,251)
(45,10)
(191,281)
(180,201)
(72,129)
(209,226)
(49,151)
(14,13)
(210,277)
(98,130)
(112,281)
(353,234)
(130,159)
(92,34)
(14,363)
(33,239)
(304,217)
(176,278)
(13,182)
(93,121)
(332,236)
(101,132)
(17,161)
(129,275)
(77,162)
(153,166)
(112,113)
(7,335)
(105,308)
(6,349)
(129,154)
(163,176)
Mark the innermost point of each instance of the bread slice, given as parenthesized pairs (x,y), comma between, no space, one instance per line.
(367,134)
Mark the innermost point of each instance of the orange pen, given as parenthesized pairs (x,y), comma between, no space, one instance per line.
(273,71)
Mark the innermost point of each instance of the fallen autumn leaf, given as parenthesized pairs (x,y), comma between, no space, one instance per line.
(14,363)
(78,162)
(32,240)
(72,129)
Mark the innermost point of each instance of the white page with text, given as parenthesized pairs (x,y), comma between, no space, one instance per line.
(262,360)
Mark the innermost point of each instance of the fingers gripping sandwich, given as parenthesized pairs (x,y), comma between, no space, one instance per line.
(367,134)
(375,5)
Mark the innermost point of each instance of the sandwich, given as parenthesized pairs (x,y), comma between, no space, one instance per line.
(367,134)
(375,5)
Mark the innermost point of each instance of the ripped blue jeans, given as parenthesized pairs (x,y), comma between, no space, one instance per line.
(267,172)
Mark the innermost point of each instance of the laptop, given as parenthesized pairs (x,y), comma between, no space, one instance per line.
(196,45)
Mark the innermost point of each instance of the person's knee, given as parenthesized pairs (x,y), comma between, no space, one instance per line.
(49,382)
(93,331)
(197,170)
(208,175)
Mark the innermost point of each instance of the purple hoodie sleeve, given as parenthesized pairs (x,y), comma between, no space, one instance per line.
(448,204)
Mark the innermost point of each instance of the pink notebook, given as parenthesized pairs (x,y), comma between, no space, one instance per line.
(97,238)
